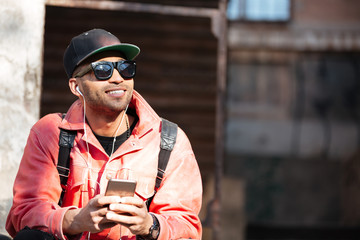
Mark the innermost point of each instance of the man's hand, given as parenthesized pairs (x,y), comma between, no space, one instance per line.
(131,213)
(92,218)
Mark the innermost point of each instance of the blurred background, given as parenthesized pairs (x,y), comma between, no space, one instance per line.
(268,92)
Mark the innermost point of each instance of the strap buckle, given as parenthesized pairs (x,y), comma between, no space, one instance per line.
(63,171)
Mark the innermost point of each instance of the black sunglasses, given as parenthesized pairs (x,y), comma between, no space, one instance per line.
(104,70)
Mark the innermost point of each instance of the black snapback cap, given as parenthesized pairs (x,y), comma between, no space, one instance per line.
(92,42)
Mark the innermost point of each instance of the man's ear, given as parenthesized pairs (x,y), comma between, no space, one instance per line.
(73,85)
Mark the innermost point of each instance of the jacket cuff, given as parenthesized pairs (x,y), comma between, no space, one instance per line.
(57,222)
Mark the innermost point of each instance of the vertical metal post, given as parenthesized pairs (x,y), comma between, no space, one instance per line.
(221,32)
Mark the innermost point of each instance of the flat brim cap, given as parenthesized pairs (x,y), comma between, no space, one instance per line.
(92,42)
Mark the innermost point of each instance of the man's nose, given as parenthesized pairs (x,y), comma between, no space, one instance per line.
(116,77)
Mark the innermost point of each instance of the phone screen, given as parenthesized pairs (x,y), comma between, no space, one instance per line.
(120,187)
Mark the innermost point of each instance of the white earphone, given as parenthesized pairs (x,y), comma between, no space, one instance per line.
(78,89)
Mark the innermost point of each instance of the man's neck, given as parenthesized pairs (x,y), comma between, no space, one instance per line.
(108,126)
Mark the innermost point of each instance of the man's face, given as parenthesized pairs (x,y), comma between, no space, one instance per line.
(106,96)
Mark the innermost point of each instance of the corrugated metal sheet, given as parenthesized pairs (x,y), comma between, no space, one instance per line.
(176,68)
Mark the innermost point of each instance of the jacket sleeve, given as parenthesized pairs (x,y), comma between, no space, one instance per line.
(37,186)
(178,200)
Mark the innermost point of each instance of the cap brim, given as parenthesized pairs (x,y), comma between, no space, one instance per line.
(130,51)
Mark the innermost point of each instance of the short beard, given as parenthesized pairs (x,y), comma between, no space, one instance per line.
(111,110)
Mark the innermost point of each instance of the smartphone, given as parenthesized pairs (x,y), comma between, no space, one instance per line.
(120,187)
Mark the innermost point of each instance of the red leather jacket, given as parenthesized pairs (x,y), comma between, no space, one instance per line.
(37,187)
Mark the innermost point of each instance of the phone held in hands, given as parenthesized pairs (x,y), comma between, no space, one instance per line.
(120,187)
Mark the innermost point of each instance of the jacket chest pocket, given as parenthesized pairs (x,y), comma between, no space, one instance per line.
(145,187)
(78,191)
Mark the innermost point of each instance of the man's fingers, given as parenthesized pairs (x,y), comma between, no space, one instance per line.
(132,201)
(103,211)
(100,201)
(124,220)
(105,223)
(136,224)
(124,208)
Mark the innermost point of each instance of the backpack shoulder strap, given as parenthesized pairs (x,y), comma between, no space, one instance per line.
(167,142)
(66,142)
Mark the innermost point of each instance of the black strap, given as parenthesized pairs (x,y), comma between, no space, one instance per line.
(167,143)
(66,142)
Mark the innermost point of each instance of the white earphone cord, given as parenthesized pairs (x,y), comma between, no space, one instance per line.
(122,120)
(87,145)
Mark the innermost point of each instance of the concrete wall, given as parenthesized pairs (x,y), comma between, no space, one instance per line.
(21,44)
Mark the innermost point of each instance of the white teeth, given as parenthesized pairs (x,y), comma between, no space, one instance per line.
(116,92)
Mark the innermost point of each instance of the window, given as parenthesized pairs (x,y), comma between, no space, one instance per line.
(259,10)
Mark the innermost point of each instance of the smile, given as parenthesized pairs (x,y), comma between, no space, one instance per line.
(116,92)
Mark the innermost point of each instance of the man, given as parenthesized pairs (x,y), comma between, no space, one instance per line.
(117,136)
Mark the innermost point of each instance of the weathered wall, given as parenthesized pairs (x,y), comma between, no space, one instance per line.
(21,44)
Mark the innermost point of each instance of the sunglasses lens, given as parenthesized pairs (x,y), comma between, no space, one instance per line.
(103,71)
(127,69)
